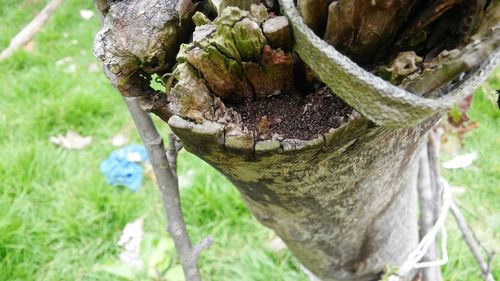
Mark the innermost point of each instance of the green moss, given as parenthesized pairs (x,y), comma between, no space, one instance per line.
(249,39)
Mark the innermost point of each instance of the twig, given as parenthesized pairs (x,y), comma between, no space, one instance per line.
(467,210)
(433,142)
(174,145)
(469,57)
(428,199)
(471,242)
(470,239)
(29,31)
(461,207)
(133,92)
(169,189)
(491,256)
(201,246)
(425,257)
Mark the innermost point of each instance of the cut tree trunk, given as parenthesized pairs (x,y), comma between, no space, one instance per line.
(345,202)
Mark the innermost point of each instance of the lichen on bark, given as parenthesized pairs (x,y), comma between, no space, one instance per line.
(143,36)
(343,200)
(240,56)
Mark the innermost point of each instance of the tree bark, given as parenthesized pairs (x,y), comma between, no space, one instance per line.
(428,200)
(345,202)
(360,28)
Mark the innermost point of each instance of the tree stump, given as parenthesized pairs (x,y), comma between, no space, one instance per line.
(342,195)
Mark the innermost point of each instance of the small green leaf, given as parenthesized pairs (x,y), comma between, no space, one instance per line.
(456,114)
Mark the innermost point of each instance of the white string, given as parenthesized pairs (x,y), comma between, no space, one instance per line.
(412,262)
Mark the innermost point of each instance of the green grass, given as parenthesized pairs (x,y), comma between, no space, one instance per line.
(59,218)
(480,201)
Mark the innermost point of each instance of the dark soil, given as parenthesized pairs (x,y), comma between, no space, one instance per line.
(294,116)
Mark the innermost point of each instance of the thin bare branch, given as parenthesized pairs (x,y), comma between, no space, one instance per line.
(491,257)
(468,58)
(428,198)
(469,236)
(169,189)
(435,173)
(29,31)
(471,242)
(462,208)
(139,98)
(200,247)
(172,153)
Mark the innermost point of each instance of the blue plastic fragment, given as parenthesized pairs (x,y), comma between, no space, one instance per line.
(120,168)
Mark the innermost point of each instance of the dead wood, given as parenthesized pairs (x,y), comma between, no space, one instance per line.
(29,31)
(344,202)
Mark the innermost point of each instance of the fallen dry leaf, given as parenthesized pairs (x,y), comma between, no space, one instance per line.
(130,241)
(457,116)
(451,144)
(263,127)
(63,61)
(461,161)
(186,180)
(72,140)
(275,244)
(86,14)
(119,140)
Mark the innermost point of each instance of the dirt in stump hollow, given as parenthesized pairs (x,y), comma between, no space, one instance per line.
(292,116)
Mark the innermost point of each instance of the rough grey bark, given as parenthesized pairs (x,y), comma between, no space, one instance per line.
(314,13)
(345,202)
(164,162)
(428,198)
(169,190)
(377,99)
(361,29)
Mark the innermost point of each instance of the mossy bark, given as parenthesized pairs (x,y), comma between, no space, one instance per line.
(344,203)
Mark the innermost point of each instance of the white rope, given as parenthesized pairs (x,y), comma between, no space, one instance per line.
(412,262)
